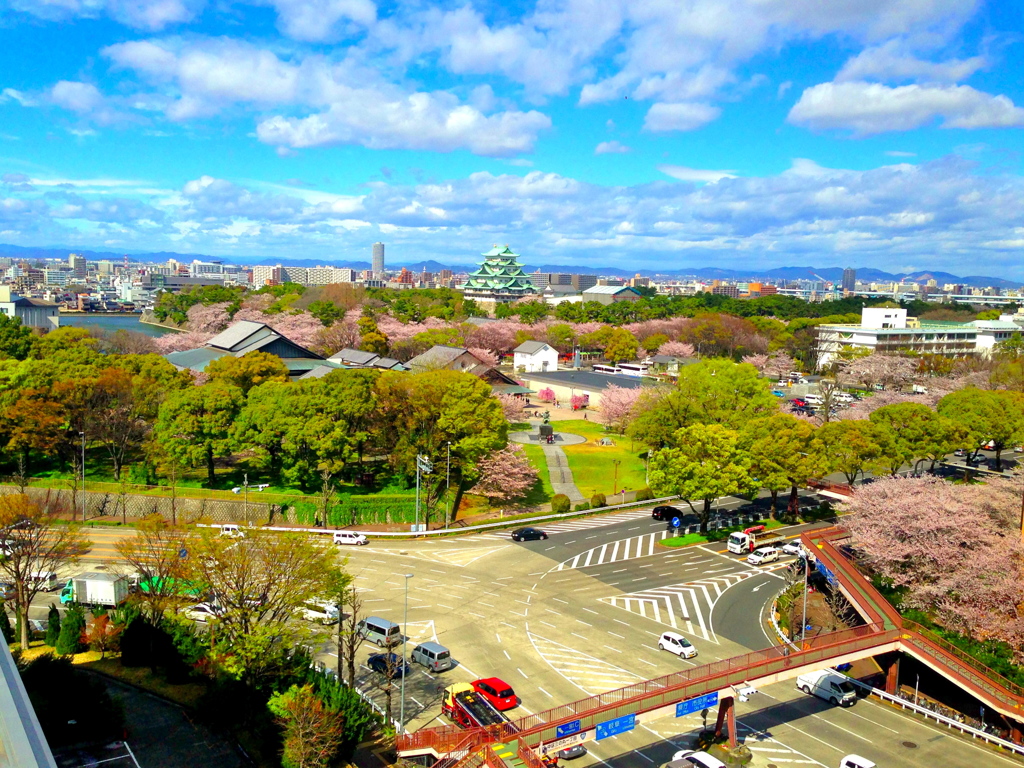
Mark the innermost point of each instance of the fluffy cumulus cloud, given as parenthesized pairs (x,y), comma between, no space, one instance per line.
(611,148)
(679,117)
(939,215)
(869,108)
(139,14)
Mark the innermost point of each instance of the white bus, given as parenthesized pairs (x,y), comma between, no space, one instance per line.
(610,369)
(636,370)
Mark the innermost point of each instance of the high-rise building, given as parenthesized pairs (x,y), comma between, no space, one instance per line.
(849,280)
(582,282)
(378,259)
(77,265)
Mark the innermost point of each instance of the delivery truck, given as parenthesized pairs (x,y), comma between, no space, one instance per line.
(753,538)
(107,590)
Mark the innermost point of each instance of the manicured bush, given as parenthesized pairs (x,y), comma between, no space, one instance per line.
(583,506)
(644,494)
(72,632)
(52,626)
(598,500)
(560,504)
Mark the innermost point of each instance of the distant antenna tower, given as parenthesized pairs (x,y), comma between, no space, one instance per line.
(126,262)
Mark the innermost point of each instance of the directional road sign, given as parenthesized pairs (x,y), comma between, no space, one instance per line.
(697,704)
(616,726)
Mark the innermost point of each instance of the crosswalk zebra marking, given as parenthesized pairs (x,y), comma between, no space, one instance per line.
(616,551)
(681,606)
(581,525)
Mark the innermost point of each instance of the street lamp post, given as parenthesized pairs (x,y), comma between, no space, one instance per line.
(615,481)
(83,474)
(405,637)
(803,622)
(425,467)
(447,487)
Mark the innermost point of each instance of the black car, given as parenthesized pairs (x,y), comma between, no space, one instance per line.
(388,664)
(665,513)
(528,534)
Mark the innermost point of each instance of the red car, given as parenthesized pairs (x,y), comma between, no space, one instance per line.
(799,402)
(498,692)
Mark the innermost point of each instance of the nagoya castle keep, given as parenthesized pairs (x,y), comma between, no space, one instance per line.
(499,278)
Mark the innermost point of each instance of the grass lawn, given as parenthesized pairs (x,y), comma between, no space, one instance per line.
(541,492)
(593,465)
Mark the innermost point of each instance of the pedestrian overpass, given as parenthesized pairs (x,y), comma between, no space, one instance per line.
(517,743)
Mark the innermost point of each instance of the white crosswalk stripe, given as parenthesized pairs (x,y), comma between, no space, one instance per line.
(683,607)
(616,551)
(584,525)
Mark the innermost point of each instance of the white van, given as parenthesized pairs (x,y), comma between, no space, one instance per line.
(813,400)
(46,579)
(433,656)
(380,631)
(232,531)
(829,685)
(321,611)
(350,537)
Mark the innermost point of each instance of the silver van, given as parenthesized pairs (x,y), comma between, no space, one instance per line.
(433,656)
(380,631)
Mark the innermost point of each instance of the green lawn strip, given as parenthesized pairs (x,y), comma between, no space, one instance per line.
(594,471)
(542,492)
(721,535)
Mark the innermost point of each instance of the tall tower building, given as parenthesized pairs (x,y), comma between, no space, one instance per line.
(849,280)
(378,259)
(77,265)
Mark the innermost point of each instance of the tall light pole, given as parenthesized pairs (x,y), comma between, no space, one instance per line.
(405,644)
(615,481)
(803,623)
(82,433)
(425,467)
(245,498)
(447,487)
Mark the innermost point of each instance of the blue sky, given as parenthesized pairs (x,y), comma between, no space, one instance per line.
(647,133)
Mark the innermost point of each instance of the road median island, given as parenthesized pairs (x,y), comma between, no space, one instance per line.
(721,534)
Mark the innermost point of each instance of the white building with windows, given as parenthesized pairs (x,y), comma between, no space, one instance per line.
(535,357)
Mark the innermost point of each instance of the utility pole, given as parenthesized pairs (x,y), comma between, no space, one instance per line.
(245,498)
(405,646)
(425,467)
(83,475)
(448,485)
(803,623)
(615,482)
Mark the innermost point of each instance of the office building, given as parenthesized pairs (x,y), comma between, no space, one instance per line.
(77,265)
(582,282)
(378,259)
(849,280)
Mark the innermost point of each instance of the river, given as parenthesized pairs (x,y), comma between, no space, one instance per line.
(112,323)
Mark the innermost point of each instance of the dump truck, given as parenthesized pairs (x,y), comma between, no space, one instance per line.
(752,538)
(468,709)
(107,590)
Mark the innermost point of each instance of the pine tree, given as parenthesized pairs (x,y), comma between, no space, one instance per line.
(72,629)
(5,625)
(52,626)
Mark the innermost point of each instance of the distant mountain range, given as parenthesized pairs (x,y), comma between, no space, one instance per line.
(831,274)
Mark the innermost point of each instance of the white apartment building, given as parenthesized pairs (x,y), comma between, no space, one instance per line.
(56,276)
(261,275)
(211,270)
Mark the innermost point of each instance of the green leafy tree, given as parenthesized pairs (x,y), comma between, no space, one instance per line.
(194,425)
(986,415)
(653,342)
(327,312)
(709,392)
(248,371)
(784,453)
(707,462)
(621,345)
(15,338)
(852,447)
(52,626)
(72,632)
(918,433)
(264,422)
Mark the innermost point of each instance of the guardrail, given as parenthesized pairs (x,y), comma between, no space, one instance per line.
(942,719)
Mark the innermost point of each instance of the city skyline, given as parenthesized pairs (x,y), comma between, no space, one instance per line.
(875,134)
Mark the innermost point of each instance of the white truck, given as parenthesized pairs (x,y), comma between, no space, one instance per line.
(101,589)
(753,538)
(829,685)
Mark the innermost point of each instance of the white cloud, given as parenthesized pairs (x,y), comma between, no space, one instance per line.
(869,108)
(318,20)
(683,173)
(10,94)
(75,96)
(890,63)
(900,153)
(679,117)
(783,88)
(610,147)
(140,14)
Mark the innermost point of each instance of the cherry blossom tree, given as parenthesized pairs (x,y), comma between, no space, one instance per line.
(505,475)
(209,319)
(677,349)
(513,407)
(546,395)
(759,361)
(178,342)
(579,401)
(485,356)
(618,406)
(887,370)
(779,365)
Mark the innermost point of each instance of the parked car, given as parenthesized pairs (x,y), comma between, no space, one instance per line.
(699,759)
(677,644)
(350,537)
(778,393)
(388,664)
(571,752)
(203,612)
(763,556)
(232,531)
(498,692)
(320,611)
(856,761)
(665,512)
(798,401)
(960,452)
(528,534)
(793,547)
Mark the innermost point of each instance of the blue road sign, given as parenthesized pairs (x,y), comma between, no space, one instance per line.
(616,726)
(676,522)
(706,701)
(824,571)
(182,553)
(568,729)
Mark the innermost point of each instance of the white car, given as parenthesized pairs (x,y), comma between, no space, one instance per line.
(203,612)
(232,531)
(350,537)
(793,548)
(677,644)
(699,759)
(763,556)
(320,611)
